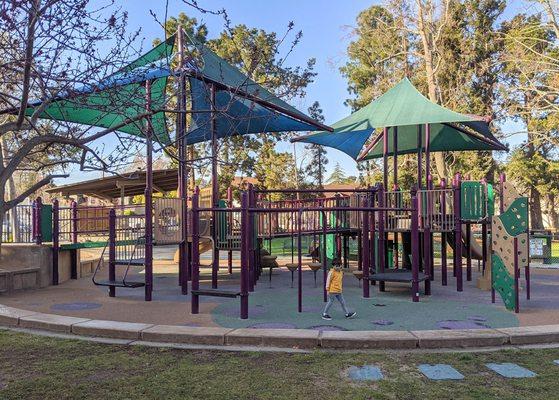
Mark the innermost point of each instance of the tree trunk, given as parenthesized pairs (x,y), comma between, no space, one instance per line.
(551,212)
(536,221)
(423,27)
(12,193)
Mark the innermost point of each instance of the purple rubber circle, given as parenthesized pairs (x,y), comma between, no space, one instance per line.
(252,312)
(75,306)
(477,318)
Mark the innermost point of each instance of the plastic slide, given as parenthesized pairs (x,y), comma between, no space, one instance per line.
(477,253)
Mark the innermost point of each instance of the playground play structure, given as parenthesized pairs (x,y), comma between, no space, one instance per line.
(224,102)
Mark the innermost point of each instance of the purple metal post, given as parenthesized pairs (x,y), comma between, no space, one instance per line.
(244,254)
(37,220)
(427,258)
(366,243)
(458,235)
(430,261)
(419,161)
(395,172)
(372,237)
(516,277)
(444,269)
(385,157)
(427,153)
(112,250)
(527,269)
(395,159)
(300,264)
(468,252)
(195,300)
(183,170)
(149,199)
(251,230)
(324,259)
(486,220)
(230,252)
(55,241)
(381,236)
(360,251)
(415,245)
(74,210)
(215,185)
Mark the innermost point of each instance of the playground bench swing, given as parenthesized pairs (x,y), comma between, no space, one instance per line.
(113,282)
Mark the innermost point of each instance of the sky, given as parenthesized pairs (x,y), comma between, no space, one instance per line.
(326,26)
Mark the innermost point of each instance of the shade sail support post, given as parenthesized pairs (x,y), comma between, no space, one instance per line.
(182,144)
(148,212)
(215,185)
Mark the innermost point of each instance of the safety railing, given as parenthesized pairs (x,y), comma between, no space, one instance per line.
(18,225)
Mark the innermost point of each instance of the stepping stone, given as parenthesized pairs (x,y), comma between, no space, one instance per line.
(365,373)
(556,362)
(440,372)
(510,370)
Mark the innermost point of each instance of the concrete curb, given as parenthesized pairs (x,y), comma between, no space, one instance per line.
(280,338)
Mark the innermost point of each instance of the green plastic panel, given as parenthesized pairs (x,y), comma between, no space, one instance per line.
(503,282)
(46,222)
(490,200)
(473,201)
(515,218)
(222,221)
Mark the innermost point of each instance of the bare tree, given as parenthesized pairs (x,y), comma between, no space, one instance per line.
(52,50)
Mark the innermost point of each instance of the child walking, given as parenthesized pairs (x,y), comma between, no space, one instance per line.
(334,289)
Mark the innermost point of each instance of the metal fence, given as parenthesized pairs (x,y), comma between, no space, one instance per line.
(17,225)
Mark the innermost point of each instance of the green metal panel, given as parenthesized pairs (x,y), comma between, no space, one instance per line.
(473,201)
(515,218)
(503,282)
(46,222)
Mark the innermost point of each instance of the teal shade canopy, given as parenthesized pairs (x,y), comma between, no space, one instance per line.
(405,108)
(239,111)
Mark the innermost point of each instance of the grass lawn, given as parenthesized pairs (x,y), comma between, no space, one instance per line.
(34,367)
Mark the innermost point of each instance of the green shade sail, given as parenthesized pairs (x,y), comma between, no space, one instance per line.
(119,97)
(404,107)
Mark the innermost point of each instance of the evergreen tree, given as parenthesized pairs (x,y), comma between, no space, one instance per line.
(255,52)
(316,168)
(338,175)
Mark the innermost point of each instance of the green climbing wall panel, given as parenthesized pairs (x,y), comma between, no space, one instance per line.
(515,218)
(503,282)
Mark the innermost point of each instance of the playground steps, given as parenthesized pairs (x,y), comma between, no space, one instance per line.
(396,276)
(135,262)
(216,293)
(120,283)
